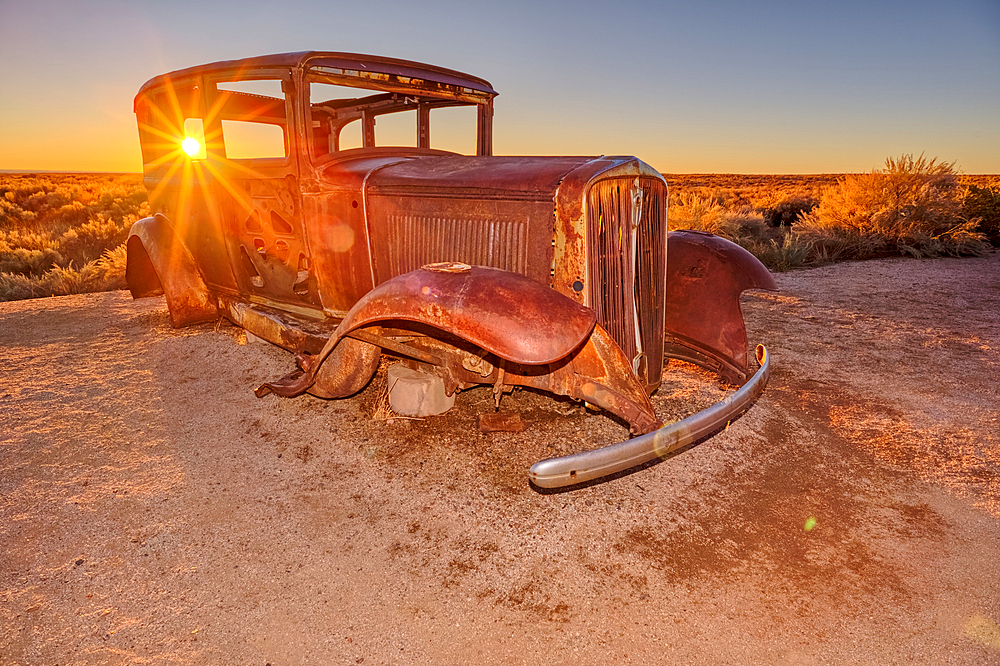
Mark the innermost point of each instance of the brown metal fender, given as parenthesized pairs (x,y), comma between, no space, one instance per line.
(597,373)
(347,369)
(704,324)
(506,314)
(158,262)
(534,337)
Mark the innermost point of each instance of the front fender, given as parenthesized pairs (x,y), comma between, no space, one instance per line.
(546,340)
(505,313)
(158,262)
(704,324)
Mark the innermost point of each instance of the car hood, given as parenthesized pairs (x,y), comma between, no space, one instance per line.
(518,178)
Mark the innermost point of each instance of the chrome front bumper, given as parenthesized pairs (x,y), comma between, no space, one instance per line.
(589,465)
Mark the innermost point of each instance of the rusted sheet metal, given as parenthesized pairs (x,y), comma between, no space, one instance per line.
(347,369)
(570,198)
(596,373)
(337,372)
(504,178)
(159,261)
(627,256)
(279,328)
(569,268)
(601,375)
(506,314)
(531,335)
(486,211)
(510,235)
(364,71)
(705,277)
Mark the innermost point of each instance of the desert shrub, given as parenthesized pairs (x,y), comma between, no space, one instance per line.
(89,241)
(55,202)
(70,214)
(16,287)
(28,240)
(744,225)
(982,204)
(762,191)
(103,274)
(693,211)
(64,233)
(912,207)
(787,211)
(29,262)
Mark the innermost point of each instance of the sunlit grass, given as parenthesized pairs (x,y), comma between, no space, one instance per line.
(915,207)
(64,233)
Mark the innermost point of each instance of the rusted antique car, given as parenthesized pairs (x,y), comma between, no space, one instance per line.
(304,197)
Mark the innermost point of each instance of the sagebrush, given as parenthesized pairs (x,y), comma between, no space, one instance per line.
(64,233)
(913,207)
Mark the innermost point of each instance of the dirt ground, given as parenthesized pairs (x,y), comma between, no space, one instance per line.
(153,511)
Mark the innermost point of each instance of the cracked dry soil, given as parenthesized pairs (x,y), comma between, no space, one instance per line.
(153,511)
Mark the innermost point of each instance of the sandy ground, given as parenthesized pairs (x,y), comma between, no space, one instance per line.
(153,511)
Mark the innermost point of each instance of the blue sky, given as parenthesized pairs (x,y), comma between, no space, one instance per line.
(723,87)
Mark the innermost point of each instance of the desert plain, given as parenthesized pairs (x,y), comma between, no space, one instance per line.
(154,511)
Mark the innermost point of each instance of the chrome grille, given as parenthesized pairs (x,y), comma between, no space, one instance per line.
(628,270)
(416,240)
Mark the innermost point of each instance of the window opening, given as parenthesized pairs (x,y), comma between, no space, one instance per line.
(455,129)
(251,140)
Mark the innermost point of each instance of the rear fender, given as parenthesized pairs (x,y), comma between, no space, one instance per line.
(158,262)
(704,324)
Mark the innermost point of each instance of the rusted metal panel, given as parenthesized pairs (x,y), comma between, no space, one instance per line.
(531,336)
(339,243)
(570,268)
(505,178)
(415,240)
(155,247)
(415,231)
(496,212)
(596,372)
(362,70)
(705,326)
(265,238)
(627,262)
(504,313)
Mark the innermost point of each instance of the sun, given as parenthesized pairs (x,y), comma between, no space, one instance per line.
(191,146)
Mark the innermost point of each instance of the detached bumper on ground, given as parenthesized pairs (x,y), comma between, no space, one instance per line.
(589,465)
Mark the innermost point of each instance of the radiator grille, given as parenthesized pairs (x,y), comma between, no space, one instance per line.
(415,240)
(627,238)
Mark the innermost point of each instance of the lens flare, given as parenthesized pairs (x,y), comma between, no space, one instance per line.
(191,146)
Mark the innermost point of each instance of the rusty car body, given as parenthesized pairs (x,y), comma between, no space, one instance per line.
(280,206)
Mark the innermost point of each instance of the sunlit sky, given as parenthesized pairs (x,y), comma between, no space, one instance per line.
(689,87)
